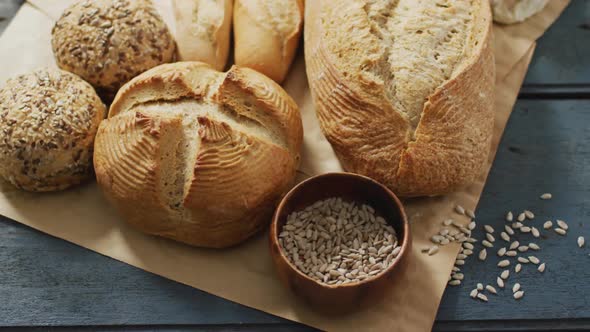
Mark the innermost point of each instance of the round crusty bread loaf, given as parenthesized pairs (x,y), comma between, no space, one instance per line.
(203,29)
(404,90)
(108,42)
(48,120)
(197,155)
(516,11)
(266,34)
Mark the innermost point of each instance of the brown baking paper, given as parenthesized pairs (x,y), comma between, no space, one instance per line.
(245,274)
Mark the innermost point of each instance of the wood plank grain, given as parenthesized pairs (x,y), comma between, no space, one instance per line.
(545,149)
(563,52)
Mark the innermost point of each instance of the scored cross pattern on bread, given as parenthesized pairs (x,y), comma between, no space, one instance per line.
(197,155)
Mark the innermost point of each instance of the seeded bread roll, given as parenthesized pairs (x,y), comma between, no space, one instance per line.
(404,90)
(197,155)
(515,11)
(48,120)
(203,30)
(266,34)
(108,42)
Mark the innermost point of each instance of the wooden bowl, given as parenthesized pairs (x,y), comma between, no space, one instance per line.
(349,187)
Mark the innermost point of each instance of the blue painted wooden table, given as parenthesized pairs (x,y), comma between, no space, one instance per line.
(45,281)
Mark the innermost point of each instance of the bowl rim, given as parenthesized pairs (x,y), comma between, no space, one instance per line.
(274,234)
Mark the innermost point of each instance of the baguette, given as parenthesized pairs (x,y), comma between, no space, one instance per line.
(266,34)
(404,90)
(203,30)
(197,155)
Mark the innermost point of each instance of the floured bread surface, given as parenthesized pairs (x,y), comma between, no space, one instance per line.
(197,155)
(266,34)
(203,30)
(404,88)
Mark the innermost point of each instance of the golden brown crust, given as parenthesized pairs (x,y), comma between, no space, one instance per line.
(48,120)
(108,42)
(372,131)
(204,154)
(267,35)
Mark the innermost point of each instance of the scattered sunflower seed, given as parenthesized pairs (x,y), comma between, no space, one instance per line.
(505,236)
(479,286)
(517,225)
(546,196)
(460,210)
(468,252)
(502,251)
(509,216)
(468,245)
(490,237)
(581,241)
(517,268)
(511,253)
(500,282)
(487,244)
(560,231)
(523,248)
(473,293)
(503,263)
(462,256)
(472,225)
(488,228)
(455,282)
(433,250)
(460,262)
(525,229)
(562,224)
(548,224)
(483,254)
(529,214)
(505,274)
(491,289)
(518,295)
(534,246)
(458,276)
(456,269)
(515,288)
(514,245)
(535,232)
(470,213)
(448,222)
(523,260)
(482,297)
(521,217)
(541,268)
(534,260)
(509,230)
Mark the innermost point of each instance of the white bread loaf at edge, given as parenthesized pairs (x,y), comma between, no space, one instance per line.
(197,155)
(404,90)
(266,35)
(203,30)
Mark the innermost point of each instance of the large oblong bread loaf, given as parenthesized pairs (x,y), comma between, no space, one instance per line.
(197,155)
(404,89)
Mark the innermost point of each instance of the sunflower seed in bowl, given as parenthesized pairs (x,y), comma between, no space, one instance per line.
(319,242)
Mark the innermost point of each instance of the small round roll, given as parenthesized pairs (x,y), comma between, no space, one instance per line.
(266,34)
(48,120)
(108,42)
(203,30)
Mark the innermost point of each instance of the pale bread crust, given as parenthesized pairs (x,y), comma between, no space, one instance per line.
(237,174)
(48,120)
(264,41)
(450,145)
(203,34)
